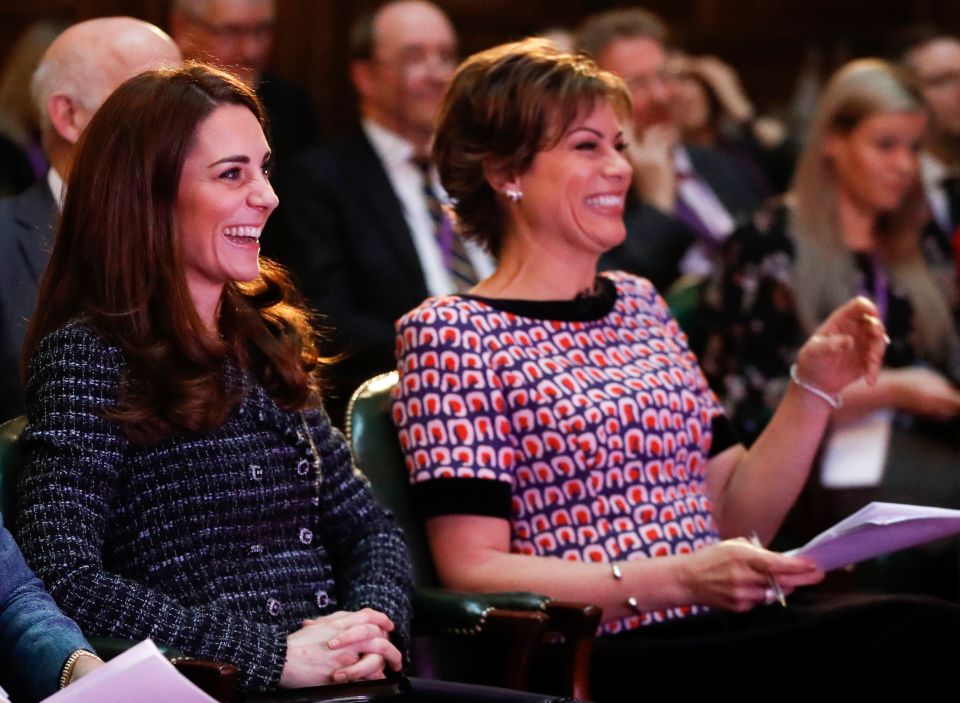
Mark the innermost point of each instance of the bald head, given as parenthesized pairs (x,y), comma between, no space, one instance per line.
(84,65)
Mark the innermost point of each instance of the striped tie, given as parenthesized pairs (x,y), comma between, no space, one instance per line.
(452,247)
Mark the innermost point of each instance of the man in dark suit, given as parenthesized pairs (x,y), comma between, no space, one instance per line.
(685,200)
(238,35)
(77,73)
(358,221)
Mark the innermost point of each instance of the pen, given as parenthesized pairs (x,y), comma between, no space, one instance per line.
(781,599)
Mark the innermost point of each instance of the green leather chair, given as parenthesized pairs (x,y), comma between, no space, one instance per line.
(517,640)
(218,680)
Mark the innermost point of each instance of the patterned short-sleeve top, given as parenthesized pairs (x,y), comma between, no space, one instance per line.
(587,424)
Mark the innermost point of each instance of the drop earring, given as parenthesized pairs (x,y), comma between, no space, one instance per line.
(513,194)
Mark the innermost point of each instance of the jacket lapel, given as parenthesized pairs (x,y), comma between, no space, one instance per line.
(35,214)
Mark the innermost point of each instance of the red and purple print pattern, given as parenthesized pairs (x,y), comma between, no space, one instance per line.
(601,428)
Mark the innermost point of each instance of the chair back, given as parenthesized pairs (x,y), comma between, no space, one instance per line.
(376,452)
(11,461)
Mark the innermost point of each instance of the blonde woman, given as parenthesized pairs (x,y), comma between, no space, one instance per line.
(851,224)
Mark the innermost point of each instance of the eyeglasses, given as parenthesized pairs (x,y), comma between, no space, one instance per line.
(418,61)
(941,81)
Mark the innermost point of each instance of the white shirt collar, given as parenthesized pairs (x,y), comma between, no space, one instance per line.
(57,187)
(390,146)
(932,170)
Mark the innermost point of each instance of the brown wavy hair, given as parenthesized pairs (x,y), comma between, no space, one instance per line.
(117,266)
(504,105)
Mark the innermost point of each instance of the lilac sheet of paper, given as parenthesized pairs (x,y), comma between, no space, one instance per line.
(878,528)
(139,675)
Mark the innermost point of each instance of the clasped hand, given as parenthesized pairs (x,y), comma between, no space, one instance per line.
(341,646)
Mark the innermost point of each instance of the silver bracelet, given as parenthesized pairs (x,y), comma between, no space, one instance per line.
(631,601)
(832,400)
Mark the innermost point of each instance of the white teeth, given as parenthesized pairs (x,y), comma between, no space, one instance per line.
(242,231)
(605,200)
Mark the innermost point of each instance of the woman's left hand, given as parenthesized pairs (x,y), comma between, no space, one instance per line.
(847,346)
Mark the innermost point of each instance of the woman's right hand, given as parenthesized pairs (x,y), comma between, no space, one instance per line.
(342,646)
(735,575)
(922,391)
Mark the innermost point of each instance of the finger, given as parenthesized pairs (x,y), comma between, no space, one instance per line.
(368,667)
(774,564)
(805,579)
(385,652)
(347,619)
(328,618)
(357,633)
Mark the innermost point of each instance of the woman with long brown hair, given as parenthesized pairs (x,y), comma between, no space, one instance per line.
(184,482)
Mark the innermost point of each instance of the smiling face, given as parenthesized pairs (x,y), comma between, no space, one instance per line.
(877,162)
(574,192)
(223,200)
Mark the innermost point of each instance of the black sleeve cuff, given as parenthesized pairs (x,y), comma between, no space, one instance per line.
(463,496)
(724,435)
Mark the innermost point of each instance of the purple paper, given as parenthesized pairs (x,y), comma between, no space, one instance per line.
(878,528)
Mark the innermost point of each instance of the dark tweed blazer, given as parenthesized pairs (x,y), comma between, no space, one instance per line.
(217,544)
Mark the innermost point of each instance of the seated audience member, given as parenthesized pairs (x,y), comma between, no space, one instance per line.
(684,200)
(561,438)
(41,648)
(77,73)
(238,34)
(183,482)
(850,225)
(933,59)
(21,158)
(711,110)
(361,224)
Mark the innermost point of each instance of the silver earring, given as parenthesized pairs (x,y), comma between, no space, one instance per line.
(514,195)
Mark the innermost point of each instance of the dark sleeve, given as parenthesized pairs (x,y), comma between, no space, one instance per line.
(462,496)
(724,435)
(654,245)
(76,460)
(370,562)
(453,427)
(35,637)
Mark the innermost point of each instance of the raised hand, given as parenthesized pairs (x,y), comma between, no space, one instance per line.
(849,345)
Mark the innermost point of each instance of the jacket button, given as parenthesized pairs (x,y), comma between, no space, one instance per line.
(256,473)
(303,467)
(274,607)
(256,548)
(306,536)
(323,600)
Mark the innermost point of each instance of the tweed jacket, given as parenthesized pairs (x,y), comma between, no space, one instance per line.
(218,544)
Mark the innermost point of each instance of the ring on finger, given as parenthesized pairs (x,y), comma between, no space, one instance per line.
(769,596)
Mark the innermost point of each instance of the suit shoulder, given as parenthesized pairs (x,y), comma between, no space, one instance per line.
(333,154)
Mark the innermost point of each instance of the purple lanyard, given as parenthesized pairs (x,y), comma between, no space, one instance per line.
(880,291)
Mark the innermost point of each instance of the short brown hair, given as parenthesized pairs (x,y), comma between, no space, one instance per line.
(503,106)
(117,265)
(599,30)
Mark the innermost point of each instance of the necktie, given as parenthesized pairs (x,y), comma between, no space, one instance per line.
(452,247)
